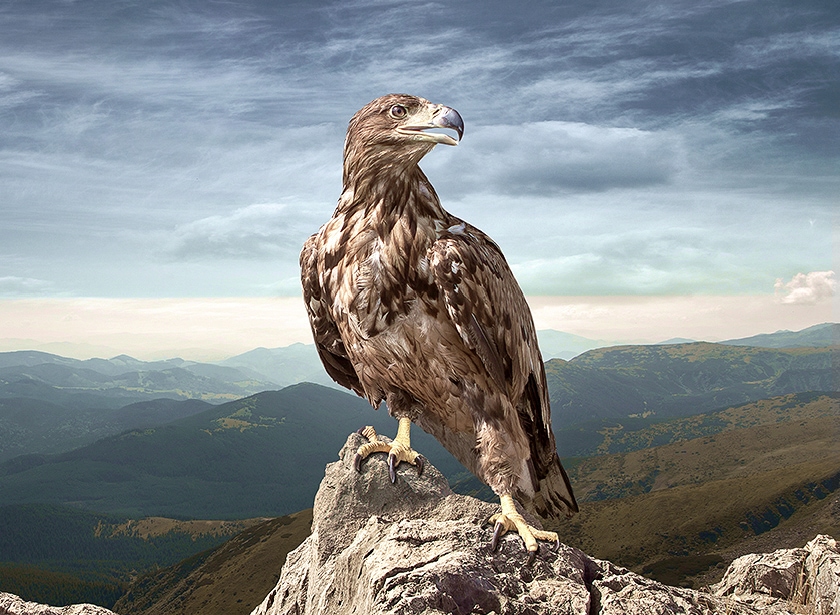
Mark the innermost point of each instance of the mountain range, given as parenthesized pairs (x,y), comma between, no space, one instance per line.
(662,442)
(258,456)
(52,404)
(261,455)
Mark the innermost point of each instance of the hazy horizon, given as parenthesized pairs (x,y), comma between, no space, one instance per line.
(214,329)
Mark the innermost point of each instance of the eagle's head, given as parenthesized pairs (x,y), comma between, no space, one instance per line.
(396,130)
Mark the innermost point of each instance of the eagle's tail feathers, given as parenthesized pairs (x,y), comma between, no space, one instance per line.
(553,497)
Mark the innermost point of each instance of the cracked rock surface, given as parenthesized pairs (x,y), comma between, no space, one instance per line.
(417,548)
(12,605)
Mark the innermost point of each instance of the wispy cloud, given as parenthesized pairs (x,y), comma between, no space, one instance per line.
(641,148)
(553,157)
(15,286)
(253,232)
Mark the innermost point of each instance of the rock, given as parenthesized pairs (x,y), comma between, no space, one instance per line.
(416,547)
(13,605)
(822,569)
(759,578)
(787,578)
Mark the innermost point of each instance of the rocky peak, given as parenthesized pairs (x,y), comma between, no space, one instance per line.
(416,547)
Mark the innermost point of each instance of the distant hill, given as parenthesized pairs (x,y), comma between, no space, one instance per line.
(232,578)
(41,375)
(819,336)
(51,404)
(59,555)
(560,345)
(259,456)
(300,362)
(283,366)
(641,384)
(30,426)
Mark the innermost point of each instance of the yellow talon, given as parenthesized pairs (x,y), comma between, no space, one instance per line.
(398,450)
(510,519)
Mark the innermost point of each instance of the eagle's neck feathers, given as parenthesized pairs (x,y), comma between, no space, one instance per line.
(376,245)
(389,191)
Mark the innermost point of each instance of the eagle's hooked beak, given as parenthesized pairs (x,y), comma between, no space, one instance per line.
(430,117)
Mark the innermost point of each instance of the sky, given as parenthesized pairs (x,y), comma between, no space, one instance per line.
(650,170)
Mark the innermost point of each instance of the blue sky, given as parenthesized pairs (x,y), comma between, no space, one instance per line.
(181,150)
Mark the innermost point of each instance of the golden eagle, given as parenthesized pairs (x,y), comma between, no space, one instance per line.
(411,305)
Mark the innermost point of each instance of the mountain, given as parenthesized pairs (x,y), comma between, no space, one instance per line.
(820,336)
(59,554)
(50,377)
(257,456)
(283,366)
(246,458)
(32,426)
(677,340)
(300,363)
(560,345)
(51,404)
(632,386)
(231,578)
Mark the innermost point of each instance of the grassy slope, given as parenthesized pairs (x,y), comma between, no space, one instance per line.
(704,497)
(739,441)
(231,579)
(681,524)
(60,555)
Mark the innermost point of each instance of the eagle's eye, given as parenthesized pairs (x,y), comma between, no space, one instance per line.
(398,112)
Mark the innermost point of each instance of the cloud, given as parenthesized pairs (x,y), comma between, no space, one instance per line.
(254,232)
(15,286)
(806,288)
(552,157)
(636,148)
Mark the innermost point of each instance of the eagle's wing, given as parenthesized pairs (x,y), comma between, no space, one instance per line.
(327,338)
(490,313)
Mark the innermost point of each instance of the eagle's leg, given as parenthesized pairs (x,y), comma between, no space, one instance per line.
(510,519)
(398,450)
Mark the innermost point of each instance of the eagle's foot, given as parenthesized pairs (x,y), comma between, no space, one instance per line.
(510,519)
(398,450)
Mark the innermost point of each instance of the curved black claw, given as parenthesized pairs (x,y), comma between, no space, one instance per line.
(532,556)
(360,431)
(357,462)
(392,467)
(497,534)
(421,463)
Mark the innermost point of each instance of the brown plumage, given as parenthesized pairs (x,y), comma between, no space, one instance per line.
(411,305)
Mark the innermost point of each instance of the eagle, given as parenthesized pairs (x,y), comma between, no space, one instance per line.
(413,306)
